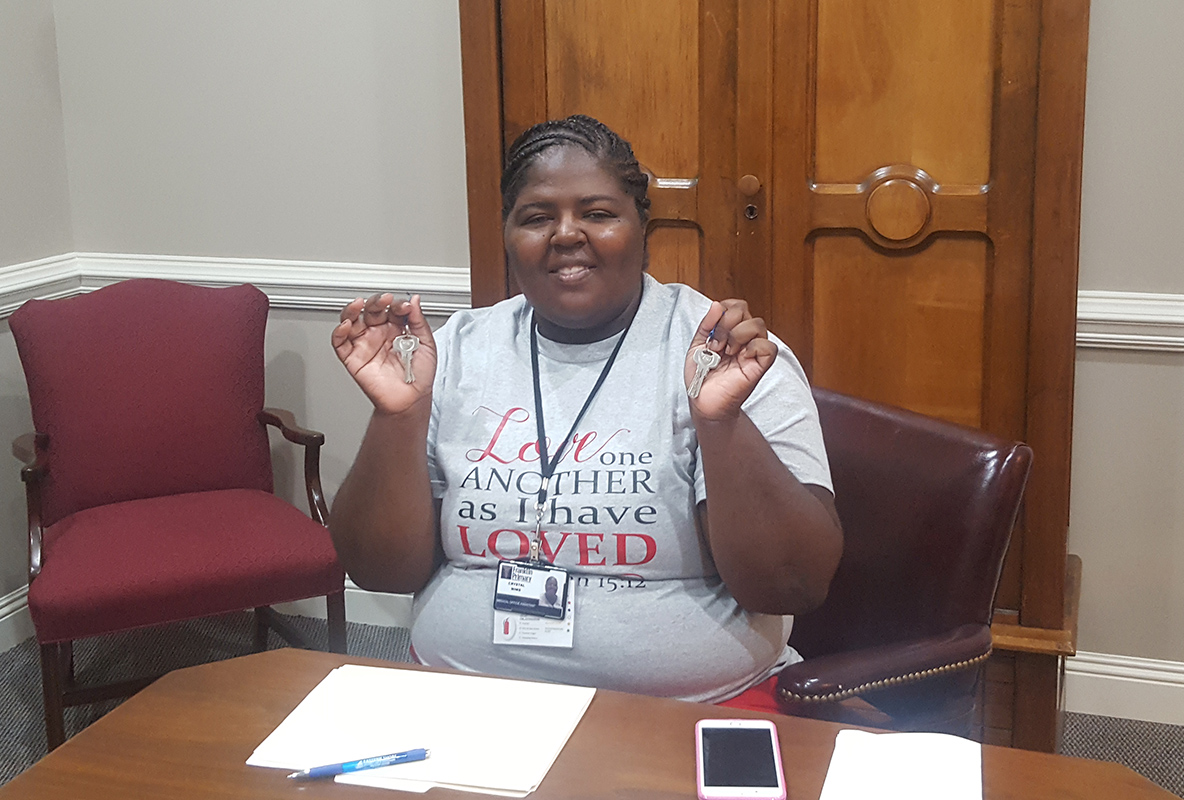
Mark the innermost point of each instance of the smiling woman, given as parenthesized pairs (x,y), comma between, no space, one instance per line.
(576,244)
(651,457)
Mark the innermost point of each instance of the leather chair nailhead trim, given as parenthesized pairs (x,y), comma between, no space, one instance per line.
(899,680)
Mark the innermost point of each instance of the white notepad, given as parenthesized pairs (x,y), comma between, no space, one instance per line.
(916,766)
(488,735)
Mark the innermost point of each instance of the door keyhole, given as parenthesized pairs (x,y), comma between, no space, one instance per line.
(750,211)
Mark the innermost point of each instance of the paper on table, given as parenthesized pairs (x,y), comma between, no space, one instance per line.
(488,735)
(917,766)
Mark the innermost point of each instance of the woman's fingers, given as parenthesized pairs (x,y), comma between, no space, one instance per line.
(416,322)
(352,310)
(731,327)
(377,308)
(734,313)
(340,336)
(750,330)
(708,324)
(761,350)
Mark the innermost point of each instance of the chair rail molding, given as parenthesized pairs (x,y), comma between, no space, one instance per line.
(1105,319)
(1130,321)
(307,285)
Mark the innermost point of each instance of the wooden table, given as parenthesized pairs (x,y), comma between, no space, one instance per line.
(189,734)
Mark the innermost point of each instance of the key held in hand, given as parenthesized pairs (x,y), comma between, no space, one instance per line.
(405,345)
(705,361)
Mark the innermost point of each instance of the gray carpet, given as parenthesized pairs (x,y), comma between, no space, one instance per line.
(1150,749)
(145,652)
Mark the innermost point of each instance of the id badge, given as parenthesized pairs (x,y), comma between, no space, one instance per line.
(526,630)
(538,590)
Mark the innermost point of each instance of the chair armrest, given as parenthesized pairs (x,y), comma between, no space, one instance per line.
(837,676)
(312,441)
(33,450)
(286,422)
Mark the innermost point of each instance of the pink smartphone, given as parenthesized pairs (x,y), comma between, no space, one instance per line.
(738,759)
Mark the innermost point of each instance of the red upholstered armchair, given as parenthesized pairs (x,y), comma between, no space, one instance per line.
(149,481)
(927,509)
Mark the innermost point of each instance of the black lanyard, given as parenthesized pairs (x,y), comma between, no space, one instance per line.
(547,468)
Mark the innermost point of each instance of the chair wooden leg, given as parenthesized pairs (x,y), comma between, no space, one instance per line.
(260,629)
(335,607)
(52,686)
(67,650)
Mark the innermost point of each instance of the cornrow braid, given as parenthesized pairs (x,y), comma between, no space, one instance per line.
(613,152)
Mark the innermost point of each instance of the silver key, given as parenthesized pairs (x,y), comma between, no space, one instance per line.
(405,345)
(705,361)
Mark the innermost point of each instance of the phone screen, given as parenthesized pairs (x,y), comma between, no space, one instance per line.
(738,757)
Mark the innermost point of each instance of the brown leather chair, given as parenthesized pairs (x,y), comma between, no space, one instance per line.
(927,509)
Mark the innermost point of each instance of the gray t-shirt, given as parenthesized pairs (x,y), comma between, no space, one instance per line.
(651,614)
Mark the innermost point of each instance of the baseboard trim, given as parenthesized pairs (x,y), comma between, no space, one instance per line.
(15,623)
(1125,686)
(369,608)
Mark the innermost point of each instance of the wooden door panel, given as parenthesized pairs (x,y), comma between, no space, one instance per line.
(666,81)
(675,253)
(901,102)
(904,82)
(906,330)
(636,73)
(919,146)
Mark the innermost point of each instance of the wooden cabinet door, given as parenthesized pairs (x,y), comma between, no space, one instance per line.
(894,186)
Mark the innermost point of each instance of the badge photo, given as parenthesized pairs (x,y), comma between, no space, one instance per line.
(536,589)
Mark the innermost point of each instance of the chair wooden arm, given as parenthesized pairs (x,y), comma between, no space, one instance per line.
(835,677)
(33,451)
(285,421)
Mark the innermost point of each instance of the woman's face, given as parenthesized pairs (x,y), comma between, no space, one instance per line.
(576,245)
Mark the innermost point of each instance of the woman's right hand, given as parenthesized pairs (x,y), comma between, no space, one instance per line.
(363,341)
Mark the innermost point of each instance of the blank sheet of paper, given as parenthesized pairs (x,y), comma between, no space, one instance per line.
(916,766)
(488,735)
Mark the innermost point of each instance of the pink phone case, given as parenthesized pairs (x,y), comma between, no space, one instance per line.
(762,794)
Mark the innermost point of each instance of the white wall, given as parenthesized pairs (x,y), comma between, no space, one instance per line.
(1127,505)
(1132,204)
(326,130)
(34,201)
(1127,510)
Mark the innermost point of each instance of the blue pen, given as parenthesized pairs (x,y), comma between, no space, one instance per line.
(374,762)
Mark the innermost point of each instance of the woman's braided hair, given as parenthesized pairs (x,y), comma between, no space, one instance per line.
(614,154)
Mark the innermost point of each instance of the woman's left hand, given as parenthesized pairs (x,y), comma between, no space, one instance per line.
(742,342)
